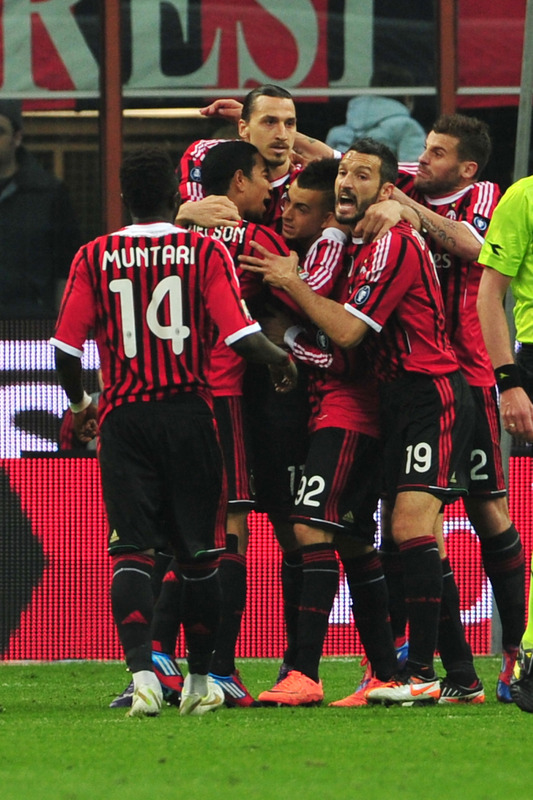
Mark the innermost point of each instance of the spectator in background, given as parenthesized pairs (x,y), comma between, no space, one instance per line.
(387,119)
(38,231)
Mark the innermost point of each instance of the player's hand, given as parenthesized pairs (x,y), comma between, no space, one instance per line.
(275,269)
(300,160)
(516,412)
(227,108)
(210,212)
(85,424)
(284,378)
(378,220)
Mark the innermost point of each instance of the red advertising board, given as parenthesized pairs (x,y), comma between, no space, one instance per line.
(55,573)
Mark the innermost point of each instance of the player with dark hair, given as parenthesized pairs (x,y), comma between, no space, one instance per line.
(473,142)
(322,259)
(455,652)
(339,489)
(152,293)
(222,162)
(425,403)
(265,90)
(237,170)
(309,205)
(443,196)
(310,228)
(266,119)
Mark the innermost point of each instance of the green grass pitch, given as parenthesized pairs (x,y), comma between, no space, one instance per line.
(58,739)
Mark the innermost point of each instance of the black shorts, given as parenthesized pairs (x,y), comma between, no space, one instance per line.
(486,470)
(162,461)
(427,426)
(234,443)
(278,426)
(340,487)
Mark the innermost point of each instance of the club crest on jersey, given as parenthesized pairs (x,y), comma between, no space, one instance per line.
(481,223)
(322,340)
(362,295)
(196,174)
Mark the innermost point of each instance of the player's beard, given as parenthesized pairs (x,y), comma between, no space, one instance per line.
(277,160)
(438,187)
(358,214)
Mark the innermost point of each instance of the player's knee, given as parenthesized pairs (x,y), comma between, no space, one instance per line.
(306,535)
(489,516)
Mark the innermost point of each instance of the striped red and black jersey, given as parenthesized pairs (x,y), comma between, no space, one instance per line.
(342,392)
(321,266)
(227,368)
(278,191)
(152,294)
(396,292)
(190,169)
(190,187)
(459,278)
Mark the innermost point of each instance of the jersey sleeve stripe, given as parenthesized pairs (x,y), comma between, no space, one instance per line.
(66,348)
(359,314)
(255,328)
(485,199)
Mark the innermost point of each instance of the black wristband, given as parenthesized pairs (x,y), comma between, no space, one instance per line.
(507,377)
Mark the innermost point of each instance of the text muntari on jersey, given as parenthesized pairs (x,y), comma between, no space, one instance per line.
(149,256)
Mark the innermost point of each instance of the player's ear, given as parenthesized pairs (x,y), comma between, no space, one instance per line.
(385,193)
(238,179)
(469,169)
(243,130)
(329,221)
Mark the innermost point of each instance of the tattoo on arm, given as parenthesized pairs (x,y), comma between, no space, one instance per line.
(439,232)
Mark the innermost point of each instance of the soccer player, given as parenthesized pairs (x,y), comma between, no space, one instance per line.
(506,256)
(453,207)
(152,293)
(236,170)
(426,408)
(266,119)
(332,499)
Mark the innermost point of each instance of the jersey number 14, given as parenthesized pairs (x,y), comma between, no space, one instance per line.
(169,287)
